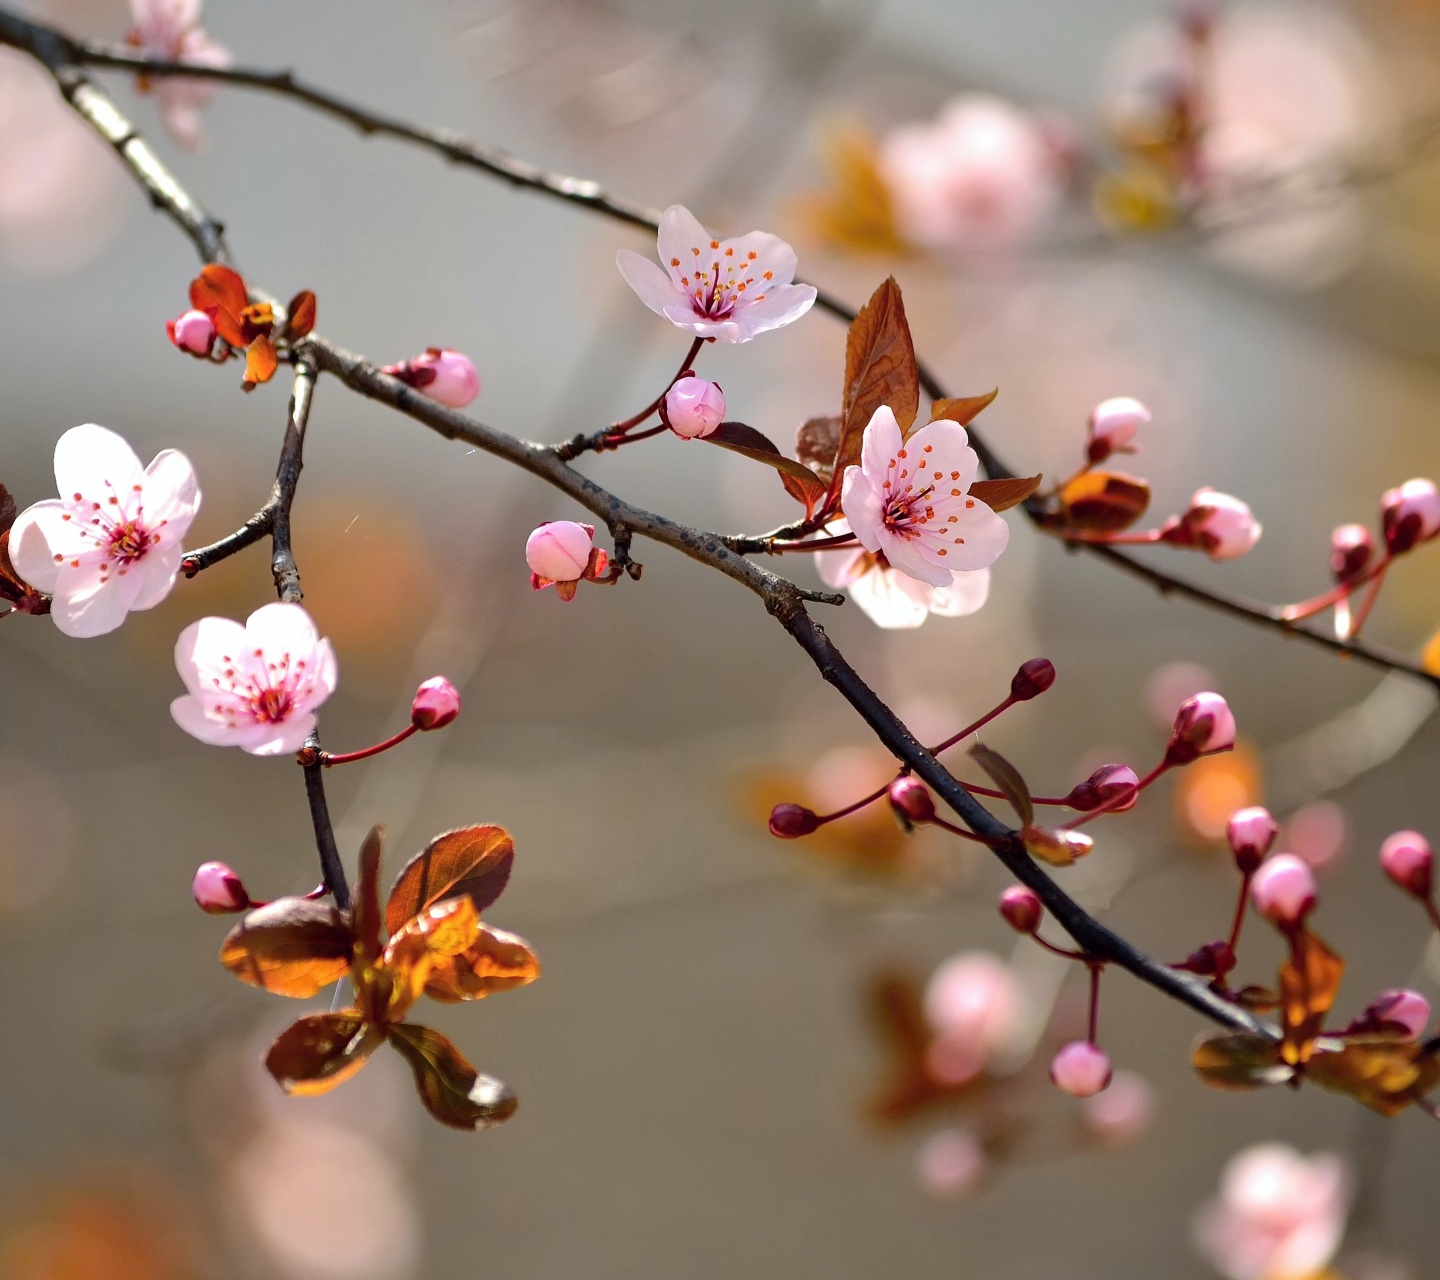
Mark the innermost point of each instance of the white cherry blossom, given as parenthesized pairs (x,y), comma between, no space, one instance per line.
(171,29)
(911,501)
(255,686)
(725,289)
(111,542)
(894,600)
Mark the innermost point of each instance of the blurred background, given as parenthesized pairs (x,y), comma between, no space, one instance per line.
(699,1064)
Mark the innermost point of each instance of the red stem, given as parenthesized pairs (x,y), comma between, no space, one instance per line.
(814,544)
(1142,538)
(1432,913)
(619,438)
(960,831)
(1240,911)
(619,428)
(974,728)
(1058,951)
(1308,608)
(366,752)
(1363,612)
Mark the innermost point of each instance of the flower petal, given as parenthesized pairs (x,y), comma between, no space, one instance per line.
(172,493)
(986,537)
(680,235)
(966,594)
(880,445)
(189,713)
(86,604)
(908,555)
(282,628)
(90,457)
(157,571)
(277,739)
(860,500)
(882,596)
(205,649)
(945,448)
(772,254)
(782,305)
(654,288)
(32,551)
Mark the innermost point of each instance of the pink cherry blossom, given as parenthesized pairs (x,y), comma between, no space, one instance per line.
(725,289)
(436,704)
(193,332)
(1410,514)
(254,687)
(170,29)
(443,374)
(1406,858)
(1081,1069)
(1283,890)
(694,408)
(1021,908)
(1279,1215)
(894,600)
(1121,1113)
(976,1006)
(1221,526)
(111,542)
(1113,425)
(981,177)
(559,550)
(952,1164)
(910,500)
(218,890)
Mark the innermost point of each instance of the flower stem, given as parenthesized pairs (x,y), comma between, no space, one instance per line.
(1139,538)
(1363,610)
(974,728)
(1119,798)
(365,753)
(620,428)
(331,867)
(813,544)
(1316,604)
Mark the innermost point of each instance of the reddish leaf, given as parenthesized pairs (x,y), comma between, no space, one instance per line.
(292,947)
(1007,777)
(1387,1073)
(880,369)
(367,896)
(961,409)
(1103,501)
(257,321)
(451,1089)
(300,315)
(909,1086)
(261,362)
(816,443)
(472,861)
(321,1050)
(800,482)
(1308,983)
(1001,495)
(1240,1060)
(8,509)
(1260,999)
(496,961)
(440,932)
(221,294)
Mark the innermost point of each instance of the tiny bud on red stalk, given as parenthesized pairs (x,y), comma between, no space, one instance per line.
(1251,832)
(437,702)
(1398,1009)
(1351,546)
(1107,781)
(1033,678)
(1021,908)
(218,890)
(193,332)
(1220,525)
(1113,424)
(1081,1069)
(1203,724)
(790,821)
(694,408)
(911,800)
(1409,515)
(1406,858)
(1213,960)
(1284,891)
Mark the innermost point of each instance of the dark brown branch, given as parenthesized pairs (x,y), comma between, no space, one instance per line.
(333,870)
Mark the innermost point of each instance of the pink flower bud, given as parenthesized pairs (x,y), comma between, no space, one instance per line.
(1107,781)
(1351,546)
(1251,832)
(218,890)
(694,408)
(1213,960)
(1406,858)
(1081,1069)
(442,374)
(193,332)
(911,800)
(1221,526)
(1398,1009)
(790,821)
(1113,424)
(1021,908)
(1123,1112)
(437,702)
(1283,890)
(1409,515)
(559,551)
(1203,724)
(1033,678)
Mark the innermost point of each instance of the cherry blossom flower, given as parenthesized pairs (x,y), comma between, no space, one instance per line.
(255,686)
(218,890)
(1398,1009)
(694,408)
(1081,1069)
(170,29)
(1250,833)
(443,374)
(1203,724)
(725,289)
(1279,1215)
(892,599)
(981,177)
(1113,424)
(1021,908)
(909,499)
(952,1164)
(436,704)
(111,542)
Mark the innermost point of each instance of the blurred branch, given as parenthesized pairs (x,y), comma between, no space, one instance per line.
(782,598)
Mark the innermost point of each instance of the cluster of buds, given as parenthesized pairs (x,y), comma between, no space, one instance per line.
(562,554)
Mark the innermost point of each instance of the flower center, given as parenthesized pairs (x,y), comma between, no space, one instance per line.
(128,542)
(717,292)
(907,511)
(272,704)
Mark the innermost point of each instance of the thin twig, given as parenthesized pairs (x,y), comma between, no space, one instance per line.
(330,865)
(287,476)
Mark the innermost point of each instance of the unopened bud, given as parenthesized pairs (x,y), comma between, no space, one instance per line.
(1108,781)
(1283,890)
(1203,724)
(1351,546)
(1398,1009)
(559,551)
(1021,908)
(1081,1069)
(1113,424)
(193,332)
(442,374)
(694,408)
(1033,678)
(790,821)
(1221,526)
(1409,515)
(218,890)
(1406,858)
(437,702)
(1213,960)
(911,800)
(1251,832)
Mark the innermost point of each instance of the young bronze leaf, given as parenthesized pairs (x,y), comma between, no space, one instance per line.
(1240,1060)
(817,441)
(367,895)
(300,315)
(451,1089)
(495,961)
(961,409)
(321,1050)
(880,369)
(1387,1073)
(1104,501)
(8,509)
(1007,777)
(1001,495)
(800,482)
(291,947)
(474,861)
(261,361)
(446,929)
(221,294)
(1308,983)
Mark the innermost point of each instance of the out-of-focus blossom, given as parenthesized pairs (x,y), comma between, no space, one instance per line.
(694,408)
(193,332)
(1407,859)
(952,1164)
(1317,832)
(725,289)
(111,542)
(1279,1215)
(982,176)
(1221,526)
(443,374)
(910,499)
(1102,786)
(1171,684)
(255,686)
(170,29)
(1121,1113)
(1113,425)
(1081,1069)
(976,1006)
(1410,514)
(892,599)
(1398,1009)
(1351,547)
(1284,891)
(562,552)
(1021,908)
